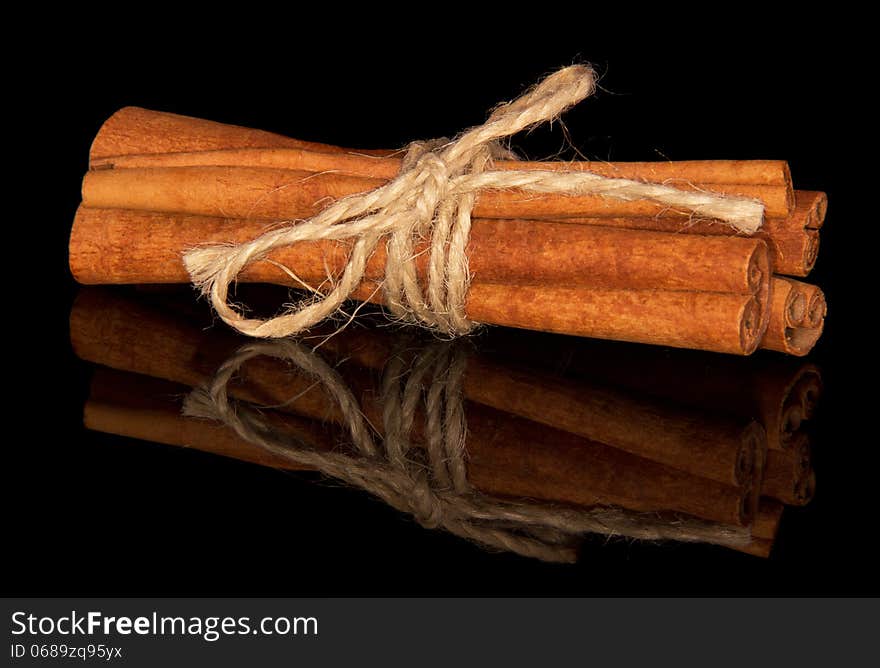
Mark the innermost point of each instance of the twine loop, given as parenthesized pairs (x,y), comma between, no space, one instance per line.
(432,198)
(428,479)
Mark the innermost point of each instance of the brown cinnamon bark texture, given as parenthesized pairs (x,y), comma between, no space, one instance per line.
(111,246)
(125,246)
(793,240)
(138,130)
(286,194)
(797,317)
(162,184)
(765,181)
(139,138)
(135,137)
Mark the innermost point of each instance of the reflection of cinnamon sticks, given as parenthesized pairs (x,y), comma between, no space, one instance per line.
(781,394)
(503,457)
(124,334)
(161,184)
(149,409)
(789,476)
(530,434)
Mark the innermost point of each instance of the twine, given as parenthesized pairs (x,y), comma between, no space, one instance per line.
(429,481)
(433,196)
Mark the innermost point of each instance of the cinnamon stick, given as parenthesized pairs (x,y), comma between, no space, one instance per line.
(124,246)
(135,137)
(766,180)
(793,240)
(114,247)
(285,194)
(816,307)
(138,130)
(788,306)
(797,314)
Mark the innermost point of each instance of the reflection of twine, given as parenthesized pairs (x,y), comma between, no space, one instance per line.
(430,482)
(433,196)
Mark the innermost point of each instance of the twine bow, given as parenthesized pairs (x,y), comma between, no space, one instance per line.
(433,196)
(429,480)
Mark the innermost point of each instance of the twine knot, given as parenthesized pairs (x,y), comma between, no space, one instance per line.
(432,198)
(423,503)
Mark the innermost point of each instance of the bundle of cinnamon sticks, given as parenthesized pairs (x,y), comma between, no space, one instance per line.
(160,184)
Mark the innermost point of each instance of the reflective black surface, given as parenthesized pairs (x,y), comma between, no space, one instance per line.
(91,512)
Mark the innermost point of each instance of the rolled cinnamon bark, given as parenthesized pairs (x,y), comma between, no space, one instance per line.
(135,137)
(124,246)
(814,204)
(286,194)
(758,181)
(794,247)
(106,248)
(816,307)
(141,138)
(786,332)
(137,130)
(702,320)
(788,306)
(793,240)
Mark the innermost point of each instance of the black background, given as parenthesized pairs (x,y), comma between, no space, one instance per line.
(88,513)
